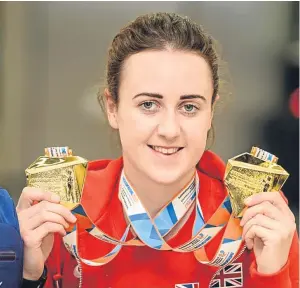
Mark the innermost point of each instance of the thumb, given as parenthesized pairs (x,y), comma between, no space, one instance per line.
(249,243)
(30,195)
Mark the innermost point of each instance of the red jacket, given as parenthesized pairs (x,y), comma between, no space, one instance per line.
(142,267)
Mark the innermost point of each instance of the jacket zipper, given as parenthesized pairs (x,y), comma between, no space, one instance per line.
(242,251)
(80,271)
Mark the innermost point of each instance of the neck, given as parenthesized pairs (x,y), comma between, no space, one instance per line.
(152,194)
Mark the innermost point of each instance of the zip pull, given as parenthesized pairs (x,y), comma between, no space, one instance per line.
(57,277)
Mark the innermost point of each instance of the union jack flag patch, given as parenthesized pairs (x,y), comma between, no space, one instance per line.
(230,276)
(187,285)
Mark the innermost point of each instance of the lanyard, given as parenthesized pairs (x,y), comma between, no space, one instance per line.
(151,232)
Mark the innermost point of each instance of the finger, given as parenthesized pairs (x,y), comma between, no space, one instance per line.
(46,216)
(48,227)
(36,236)
(264,208)
(274,198)
(257,231)
(31,194)
(263,221)
(51,207)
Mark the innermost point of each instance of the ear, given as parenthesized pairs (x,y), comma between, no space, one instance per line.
(213,110)
(111,109)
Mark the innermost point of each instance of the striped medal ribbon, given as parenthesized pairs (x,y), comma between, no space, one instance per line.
(151,232)
(263,155)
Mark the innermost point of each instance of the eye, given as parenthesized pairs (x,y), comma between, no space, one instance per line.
(149,106)
(189,109)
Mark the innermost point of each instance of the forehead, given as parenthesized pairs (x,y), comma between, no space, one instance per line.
(166,72)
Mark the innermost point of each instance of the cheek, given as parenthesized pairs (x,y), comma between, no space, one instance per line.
(145,124)
(196,131)
(197,135)
(135,126)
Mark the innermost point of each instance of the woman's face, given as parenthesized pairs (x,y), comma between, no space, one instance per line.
(164,113)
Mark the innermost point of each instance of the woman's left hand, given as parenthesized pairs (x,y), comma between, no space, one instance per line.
(268,229)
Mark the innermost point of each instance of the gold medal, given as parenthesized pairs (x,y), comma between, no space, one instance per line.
(248,174)
(59,172)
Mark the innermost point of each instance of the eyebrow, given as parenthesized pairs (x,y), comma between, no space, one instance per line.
(182,97)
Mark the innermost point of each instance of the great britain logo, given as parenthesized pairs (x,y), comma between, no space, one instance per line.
(230,276)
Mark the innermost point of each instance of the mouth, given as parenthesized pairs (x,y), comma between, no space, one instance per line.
(165,150)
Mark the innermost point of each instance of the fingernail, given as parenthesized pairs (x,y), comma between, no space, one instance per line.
(74,219)
(248,200)
(55,198)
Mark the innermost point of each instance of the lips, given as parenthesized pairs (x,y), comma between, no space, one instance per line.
(165,150)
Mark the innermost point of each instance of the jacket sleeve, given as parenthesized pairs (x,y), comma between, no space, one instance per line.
(287,277)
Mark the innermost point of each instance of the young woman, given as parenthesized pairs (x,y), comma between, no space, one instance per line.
(162,86)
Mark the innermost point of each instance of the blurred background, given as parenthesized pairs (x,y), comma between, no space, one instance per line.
(52,62)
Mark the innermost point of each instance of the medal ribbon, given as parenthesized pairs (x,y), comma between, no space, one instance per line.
(151,232)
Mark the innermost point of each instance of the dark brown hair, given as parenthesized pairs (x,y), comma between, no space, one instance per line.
(158,31)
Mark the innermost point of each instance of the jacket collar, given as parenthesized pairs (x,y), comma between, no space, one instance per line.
(102,181)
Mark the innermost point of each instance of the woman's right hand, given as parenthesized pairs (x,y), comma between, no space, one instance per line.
(38,223)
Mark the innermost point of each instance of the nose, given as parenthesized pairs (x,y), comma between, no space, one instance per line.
(169,126)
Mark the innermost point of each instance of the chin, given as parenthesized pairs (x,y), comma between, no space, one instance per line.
(166,176)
